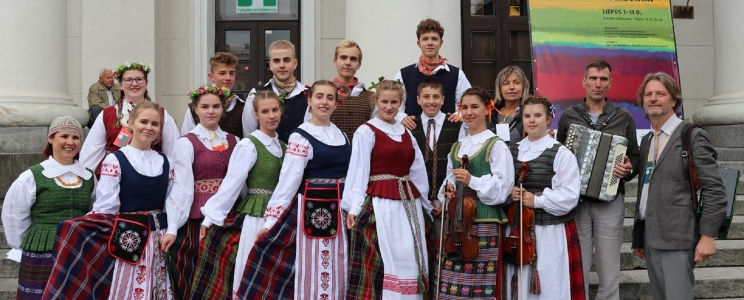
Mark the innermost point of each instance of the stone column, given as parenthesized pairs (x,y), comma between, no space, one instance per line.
(33,89)
(723,115)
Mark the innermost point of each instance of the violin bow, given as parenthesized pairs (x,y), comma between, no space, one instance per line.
(441,235)
(522,175)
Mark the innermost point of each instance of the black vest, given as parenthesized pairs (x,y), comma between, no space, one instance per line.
(411,79)
(447,137)
(293,115)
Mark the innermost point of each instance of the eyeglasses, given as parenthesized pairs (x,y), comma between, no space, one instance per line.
(138,80)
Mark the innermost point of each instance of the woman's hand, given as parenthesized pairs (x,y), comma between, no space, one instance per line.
(527,198)
(462,175)
(167,241)
(261,233)
(202,232)
(449,191)
(350,221)
(409,122)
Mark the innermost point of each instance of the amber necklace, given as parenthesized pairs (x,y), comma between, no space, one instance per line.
(66,184)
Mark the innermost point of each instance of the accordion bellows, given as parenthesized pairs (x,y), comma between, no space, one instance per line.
(597,153)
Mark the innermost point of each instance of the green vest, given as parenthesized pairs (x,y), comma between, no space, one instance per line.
(479,166)
(264,176)
(53,205)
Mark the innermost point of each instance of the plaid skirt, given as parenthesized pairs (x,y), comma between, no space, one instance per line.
(181,258)
(366,272)
(575,270)
(83,268)
(269,272)
(479,278)
(33,273)
(215,267)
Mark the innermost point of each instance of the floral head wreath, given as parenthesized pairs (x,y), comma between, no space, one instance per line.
(222,92)
(131,66)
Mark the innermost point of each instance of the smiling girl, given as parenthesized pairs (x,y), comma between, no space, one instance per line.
(488,180)
(255,164)
(552,189)
(115,249)
(200,164)
(301,250)
(386,179)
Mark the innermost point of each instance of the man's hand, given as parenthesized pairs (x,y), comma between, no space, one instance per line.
(453,117)
(409,122)
(705,248)
(623,169)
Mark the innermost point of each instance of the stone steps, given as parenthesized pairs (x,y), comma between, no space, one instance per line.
(630,205)
(729,253)
(736,231)
(722,282)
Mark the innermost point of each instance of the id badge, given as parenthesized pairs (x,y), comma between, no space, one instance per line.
(123,137)
(502,130)
(649,169)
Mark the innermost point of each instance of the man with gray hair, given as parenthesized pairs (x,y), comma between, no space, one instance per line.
(105,92)
(667,232)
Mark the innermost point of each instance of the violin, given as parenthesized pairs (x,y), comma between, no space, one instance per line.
(461,243)
(519,248)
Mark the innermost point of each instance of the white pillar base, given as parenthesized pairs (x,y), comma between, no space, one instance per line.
(25,111)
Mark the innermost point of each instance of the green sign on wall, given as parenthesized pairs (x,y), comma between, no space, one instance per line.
(257,6)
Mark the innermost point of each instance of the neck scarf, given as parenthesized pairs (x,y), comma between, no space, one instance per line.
(285,88)
(427,67)
(344,89)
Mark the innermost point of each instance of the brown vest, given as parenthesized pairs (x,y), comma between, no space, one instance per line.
(353,111)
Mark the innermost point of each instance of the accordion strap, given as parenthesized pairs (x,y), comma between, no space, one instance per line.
(584,115)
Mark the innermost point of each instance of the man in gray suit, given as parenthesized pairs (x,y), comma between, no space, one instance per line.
(105,92)
(666,231)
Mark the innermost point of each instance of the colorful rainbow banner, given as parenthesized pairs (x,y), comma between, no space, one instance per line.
(635,36)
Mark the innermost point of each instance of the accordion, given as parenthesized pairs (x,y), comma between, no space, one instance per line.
(597,154)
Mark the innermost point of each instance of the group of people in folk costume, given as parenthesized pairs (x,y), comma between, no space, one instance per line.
(268,198)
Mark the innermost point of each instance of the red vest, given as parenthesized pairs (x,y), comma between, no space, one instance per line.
(393,158)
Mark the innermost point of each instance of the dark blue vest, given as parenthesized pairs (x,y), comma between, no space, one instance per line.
(293,115)
(328,161)
(139,192)
(411,79)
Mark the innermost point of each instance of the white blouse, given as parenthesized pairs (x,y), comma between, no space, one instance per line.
(357,177)
(566,183)
(299,153)
(183,186)
(491,189)
(94,148)
(242,161)
(145,162)
(21,196)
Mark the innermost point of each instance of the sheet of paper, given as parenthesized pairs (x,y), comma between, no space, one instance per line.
(14,254)
(502,130)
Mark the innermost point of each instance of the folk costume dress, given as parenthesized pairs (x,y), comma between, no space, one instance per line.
(492,177)
(41,197)
(96,252)
(102,136)
(304,253)
(386,188)
(555,181)
(200,165)
(255,163)
(355,106)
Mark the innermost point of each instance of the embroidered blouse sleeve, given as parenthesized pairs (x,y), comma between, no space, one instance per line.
(566,184)
(170,135)
(94,147)
(182,196)
(299,153)
(107,191)
(493,189)
(242,160)
(417,174)
(16,214)
(357,178)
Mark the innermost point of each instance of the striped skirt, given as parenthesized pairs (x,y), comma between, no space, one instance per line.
(181,258)
(366,273)
(479,278)
(213,278)
(83,268)
(36,266)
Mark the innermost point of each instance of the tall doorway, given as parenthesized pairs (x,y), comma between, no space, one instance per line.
(246,28)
